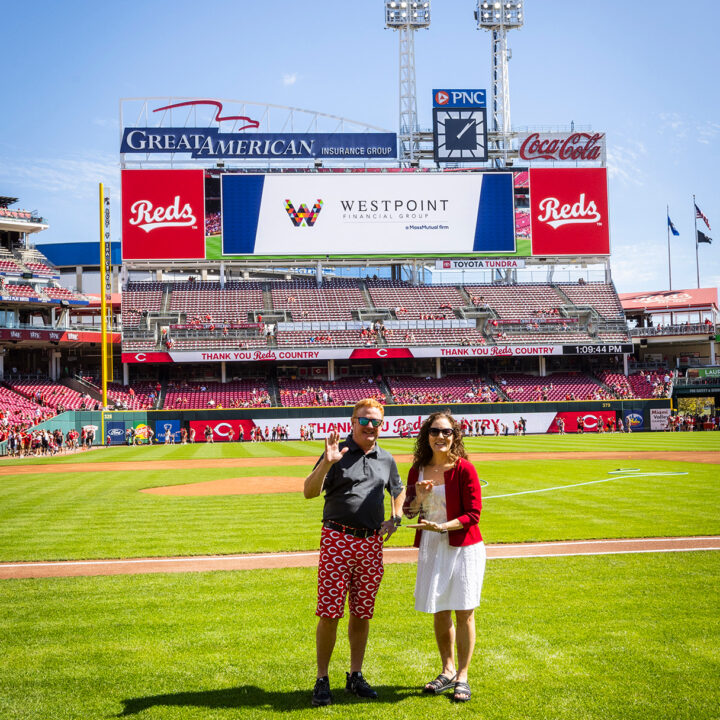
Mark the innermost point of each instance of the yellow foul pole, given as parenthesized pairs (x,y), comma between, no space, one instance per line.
(104,227)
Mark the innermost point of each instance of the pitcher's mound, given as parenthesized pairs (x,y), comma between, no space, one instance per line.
(233,486)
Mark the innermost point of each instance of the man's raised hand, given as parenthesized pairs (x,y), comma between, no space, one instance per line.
(332,448)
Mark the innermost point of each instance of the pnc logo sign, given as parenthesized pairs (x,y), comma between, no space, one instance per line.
(442,98)
(303,216)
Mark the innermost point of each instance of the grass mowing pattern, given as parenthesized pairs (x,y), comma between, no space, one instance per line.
(103,514)
(638,442)
(630,637)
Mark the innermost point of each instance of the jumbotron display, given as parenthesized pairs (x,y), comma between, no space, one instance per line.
(199,215)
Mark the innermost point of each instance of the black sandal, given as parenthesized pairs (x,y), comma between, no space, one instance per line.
(439,685)
(462,692)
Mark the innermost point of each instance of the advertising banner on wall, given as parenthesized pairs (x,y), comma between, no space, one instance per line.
(163,214)
(569,211)
(372,353)
(591,420)
(659,418)
(359,214)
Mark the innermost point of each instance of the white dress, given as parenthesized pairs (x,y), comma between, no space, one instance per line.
(448,578)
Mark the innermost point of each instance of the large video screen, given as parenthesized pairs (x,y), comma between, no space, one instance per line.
(215,215)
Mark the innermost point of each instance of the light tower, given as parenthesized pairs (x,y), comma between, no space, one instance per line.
(498,18)
(406,16)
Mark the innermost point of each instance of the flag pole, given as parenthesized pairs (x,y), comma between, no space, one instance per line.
(669,262)
(697,257)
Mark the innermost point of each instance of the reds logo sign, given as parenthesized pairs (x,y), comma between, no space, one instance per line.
(155,201)
(556,215)
(145,216)
(569,211)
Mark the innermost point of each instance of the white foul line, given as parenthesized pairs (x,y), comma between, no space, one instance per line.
(589,482)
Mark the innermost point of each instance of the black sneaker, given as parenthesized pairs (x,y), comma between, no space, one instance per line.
(321,692)
(358,685)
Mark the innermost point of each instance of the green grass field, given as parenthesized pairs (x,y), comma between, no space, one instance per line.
(626,636)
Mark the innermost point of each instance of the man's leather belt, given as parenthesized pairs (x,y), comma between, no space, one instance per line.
(355,532)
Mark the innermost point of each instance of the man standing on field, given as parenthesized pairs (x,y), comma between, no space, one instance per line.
(354,474)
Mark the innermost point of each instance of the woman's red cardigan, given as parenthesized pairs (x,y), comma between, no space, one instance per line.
(462,498)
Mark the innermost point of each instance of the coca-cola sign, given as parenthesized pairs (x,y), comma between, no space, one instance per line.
(563,147)
(569,211)
(163,214)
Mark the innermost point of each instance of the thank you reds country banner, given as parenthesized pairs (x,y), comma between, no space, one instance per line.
(163,214)
(359,214)
(569,211)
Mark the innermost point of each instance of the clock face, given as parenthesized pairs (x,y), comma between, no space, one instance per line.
(460,135)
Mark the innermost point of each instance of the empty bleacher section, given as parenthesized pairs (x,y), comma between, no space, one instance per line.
(345,391)
(411,390)
(201,395)
(336,300)
(208,301)
(598,295)
(520,302)
(411,302)
(202,315)
(140,297)
(520,387)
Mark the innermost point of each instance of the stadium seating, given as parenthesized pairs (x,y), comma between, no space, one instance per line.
(336,300)
(521,302)
(557,386)
(206,300)
(411,302)
(412,390)
(136,396)
(19,409)
(138,298)
(344,391)
(598,295)
(237,393)
(49,393)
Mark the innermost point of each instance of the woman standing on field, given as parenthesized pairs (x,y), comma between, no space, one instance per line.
(443,488)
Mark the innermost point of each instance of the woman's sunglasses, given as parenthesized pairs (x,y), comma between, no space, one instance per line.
(364,421)
(445,432)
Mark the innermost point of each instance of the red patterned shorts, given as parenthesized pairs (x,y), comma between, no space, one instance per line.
(348,565)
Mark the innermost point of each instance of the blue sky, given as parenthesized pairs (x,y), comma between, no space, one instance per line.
(644,72)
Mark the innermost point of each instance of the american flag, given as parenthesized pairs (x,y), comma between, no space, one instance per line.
(699,214)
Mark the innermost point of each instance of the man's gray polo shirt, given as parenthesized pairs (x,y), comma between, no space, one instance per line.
(355,485)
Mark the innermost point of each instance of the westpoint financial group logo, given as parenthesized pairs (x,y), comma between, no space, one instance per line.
(303,216)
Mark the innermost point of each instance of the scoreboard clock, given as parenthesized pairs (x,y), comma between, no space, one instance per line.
(460,134)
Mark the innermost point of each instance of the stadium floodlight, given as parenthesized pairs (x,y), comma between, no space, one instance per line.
(406,16)
(498,18)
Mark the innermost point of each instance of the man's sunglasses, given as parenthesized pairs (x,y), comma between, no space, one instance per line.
(364,421)
(445,432)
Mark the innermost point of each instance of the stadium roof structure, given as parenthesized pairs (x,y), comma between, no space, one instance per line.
(6,200)
(76,254)
(696,299)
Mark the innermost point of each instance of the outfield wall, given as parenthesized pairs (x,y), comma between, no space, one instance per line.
(540,417)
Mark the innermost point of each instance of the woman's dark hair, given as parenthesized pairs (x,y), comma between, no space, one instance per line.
(423,452)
